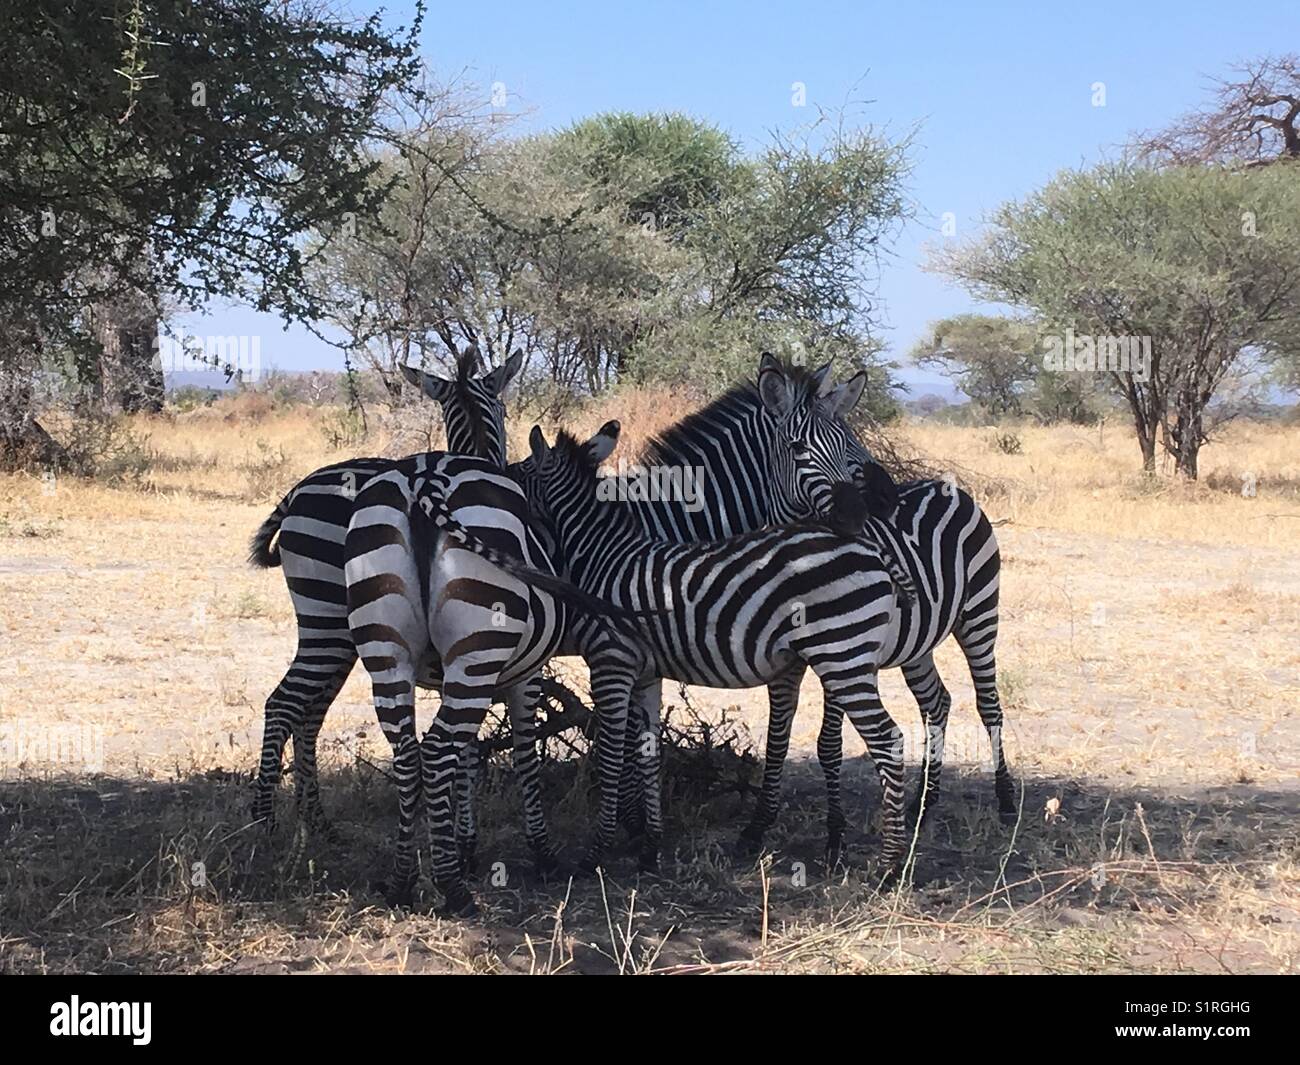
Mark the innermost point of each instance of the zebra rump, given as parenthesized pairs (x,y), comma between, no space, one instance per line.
(435,512)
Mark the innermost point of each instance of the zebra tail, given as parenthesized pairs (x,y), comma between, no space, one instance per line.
(260,551)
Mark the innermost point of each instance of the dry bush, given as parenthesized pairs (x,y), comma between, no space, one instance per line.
(267,473)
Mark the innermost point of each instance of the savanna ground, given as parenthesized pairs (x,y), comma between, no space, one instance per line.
(1150,657)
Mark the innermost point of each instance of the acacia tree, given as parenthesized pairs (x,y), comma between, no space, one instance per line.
(1253,118)
(179,151)
(625,247)
(992,359)
(1204,262)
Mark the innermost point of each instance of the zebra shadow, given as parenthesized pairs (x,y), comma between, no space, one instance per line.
(113,873)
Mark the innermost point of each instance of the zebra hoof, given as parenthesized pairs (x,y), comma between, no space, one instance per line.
(750,842)
(549,866)
(1008,817)
(458,902)
(834,851)
(588,867)
(397,896)
(467,857)
(889,879)
(648,861)
(917,815)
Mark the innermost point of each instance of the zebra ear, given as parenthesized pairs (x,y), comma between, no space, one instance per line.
(774,388)
(842,399)
(821,379)
(502,375)
(537,444)
(602,445)
(434,387)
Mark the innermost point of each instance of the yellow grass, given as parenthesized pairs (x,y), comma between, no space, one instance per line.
(1149,652)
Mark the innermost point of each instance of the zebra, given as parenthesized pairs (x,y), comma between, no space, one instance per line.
(731,613)
(425,592)
(948,546)
(413,594)
(311,522)
(936,530)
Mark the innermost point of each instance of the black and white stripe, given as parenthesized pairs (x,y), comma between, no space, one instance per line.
(730,613)
(305,536)
(946,543)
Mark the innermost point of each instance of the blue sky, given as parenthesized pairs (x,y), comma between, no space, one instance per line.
(1002,92)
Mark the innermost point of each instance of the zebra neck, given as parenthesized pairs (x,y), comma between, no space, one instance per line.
(727,447)
(593,532)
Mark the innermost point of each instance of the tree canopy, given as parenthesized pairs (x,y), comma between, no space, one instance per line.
(625,247)
(1193,265)
(179,150)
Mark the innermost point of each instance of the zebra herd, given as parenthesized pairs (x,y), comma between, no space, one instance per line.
(458,571)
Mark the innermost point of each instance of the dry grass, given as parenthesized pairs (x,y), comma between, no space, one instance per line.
(1149,663)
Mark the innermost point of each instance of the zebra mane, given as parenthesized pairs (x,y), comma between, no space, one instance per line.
(679,442)
(467,362)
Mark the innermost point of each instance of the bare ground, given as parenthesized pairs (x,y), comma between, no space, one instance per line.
(1151,683)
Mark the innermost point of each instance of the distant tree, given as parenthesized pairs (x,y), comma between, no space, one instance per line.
(623,248)
(1202,263)
(928,404)
(990,358)
(165,150)
(1252,119)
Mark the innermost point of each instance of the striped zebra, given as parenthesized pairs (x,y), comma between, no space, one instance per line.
(311,522)
(423,599)
(732,613)
(414,595)
(936,530)
(947,544)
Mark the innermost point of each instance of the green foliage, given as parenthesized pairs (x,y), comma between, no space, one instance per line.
(993,360)
(173,150)
(1203,261)
(641,248)
(998,363)
(198,142)
(658,170)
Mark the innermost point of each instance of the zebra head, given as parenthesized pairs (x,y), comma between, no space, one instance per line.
(812,448)
(471,403)
(560,480)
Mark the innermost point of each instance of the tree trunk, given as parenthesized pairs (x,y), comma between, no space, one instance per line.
(1184,437)
(130,375)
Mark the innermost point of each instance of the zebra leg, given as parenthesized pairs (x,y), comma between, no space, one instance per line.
(522,701)
(977,635)
(612,680)
(856,693)
(305,690)
(648,743)
(306,777)
(631,801)
(466,700)
(782,701)
(934,702)
(830,755)
(466,822)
